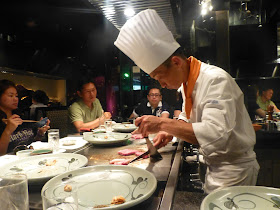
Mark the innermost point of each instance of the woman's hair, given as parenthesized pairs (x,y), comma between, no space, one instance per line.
(5,84)
(40,97)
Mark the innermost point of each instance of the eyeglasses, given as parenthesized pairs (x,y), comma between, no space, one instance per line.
(156,95)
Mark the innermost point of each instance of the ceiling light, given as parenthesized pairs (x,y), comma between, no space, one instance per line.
(203,11)
(129,12)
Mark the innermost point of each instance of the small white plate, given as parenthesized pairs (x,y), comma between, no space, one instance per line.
(37,169)
(77,142)
(124,127)
(24,153)
(98,185)
(106,138)
(243,197)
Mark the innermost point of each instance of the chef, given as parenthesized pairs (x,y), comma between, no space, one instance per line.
(213,112)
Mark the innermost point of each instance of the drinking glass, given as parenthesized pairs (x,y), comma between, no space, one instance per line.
(62,196)
(53,139)
(108,125)
(102,121)
(14,192)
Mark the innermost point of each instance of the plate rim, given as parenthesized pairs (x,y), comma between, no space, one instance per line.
(108,142)
(69,147)
(43,179)
(205,200)
(117,167)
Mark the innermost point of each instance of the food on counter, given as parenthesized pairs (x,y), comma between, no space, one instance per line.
(105,137)
(118,200)
(51,162)
(126,152)
(67,188)
(137,136)
(120,161)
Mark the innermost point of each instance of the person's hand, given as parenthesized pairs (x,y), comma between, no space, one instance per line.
(147,124)
(44,129)
(13,122)
(162,139)
(107,115)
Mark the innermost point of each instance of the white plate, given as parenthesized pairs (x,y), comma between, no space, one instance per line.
(106,138)
(36,170)
(78,143)
(98,185)
(242,197)
(124,127)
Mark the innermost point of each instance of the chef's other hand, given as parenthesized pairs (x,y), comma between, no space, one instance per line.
(162,139)
(107,115)
(147,124)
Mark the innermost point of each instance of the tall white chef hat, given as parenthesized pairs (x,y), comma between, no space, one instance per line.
(146,40)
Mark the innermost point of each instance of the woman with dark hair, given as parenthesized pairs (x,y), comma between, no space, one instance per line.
(12,130)
(39,99)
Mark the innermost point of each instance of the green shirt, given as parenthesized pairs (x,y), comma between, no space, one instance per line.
(78,111)
(263,105)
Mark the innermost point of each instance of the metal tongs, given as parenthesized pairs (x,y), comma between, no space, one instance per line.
(152,150)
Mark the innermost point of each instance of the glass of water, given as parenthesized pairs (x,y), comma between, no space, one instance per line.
(53,139)
(108,125)
(14,192)
(62,196)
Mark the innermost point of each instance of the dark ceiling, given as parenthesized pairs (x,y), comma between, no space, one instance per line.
(49,36)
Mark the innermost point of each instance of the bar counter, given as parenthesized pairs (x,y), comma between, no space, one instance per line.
(166,171)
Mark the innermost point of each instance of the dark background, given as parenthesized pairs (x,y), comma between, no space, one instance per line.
(72,38)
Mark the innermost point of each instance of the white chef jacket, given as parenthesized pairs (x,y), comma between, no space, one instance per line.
(223,129)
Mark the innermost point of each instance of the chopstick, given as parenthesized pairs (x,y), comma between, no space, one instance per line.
(5,120)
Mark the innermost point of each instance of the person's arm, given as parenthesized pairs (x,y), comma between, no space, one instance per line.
(80,124)
(260,112)
(13,122)
(177,113)
(165,110)
(165,115)
(92,124)
(179,128)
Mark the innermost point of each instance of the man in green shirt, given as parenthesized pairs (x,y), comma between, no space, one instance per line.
(85,112)
(265,99)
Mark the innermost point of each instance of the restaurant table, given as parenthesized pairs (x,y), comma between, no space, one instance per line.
(166,171)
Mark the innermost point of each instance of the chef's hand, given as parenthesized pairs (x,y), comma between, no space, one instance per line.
(42,130)
(147,124)
(162,139)
(12,123)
